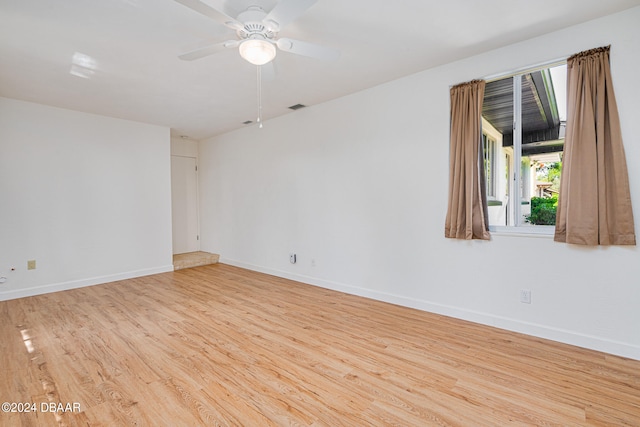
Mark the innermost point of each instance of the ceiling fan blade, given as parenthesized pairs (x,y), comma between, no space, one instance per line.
(286,11)
(207,50)
(212,13)
(308,49)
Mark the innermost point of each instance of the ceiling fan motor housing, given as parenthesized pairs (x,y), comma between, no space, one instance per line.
(254,28)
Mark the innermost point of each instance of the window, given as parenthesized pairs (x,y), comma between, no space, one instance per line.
(489,148)
(523,119)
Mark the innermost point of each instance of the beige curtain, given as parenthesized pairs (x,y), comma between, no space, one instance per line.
(594,206)
(467,208)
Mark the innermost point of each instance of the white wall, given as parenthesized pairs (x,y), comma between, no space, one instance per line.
(357,187)
(88,197)
(184,147)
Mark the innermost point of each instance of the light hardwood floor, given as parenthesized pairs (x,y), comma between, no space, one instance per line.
(218,345)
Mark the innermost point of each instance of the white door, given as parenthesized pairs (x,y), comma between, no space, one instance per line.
(184,204)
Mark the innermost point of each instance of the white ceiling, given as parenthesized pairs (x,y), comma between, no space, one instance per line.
(118,58)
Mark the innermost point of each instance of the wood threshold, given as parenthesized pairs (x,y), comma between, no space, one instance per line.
(194,259)
(220,345)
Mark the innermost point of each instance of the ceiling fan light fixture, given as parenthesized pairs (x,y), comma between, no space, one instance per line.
(257,51)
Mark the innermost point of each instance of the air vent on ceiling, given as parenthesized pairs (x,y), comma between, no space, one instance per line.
(297,107)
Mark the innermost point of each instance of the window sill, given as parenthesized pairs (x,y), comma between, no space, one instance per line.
(540,231)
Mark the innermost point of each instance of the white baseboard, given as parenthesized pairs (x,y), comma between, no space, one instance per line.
(73,284)
(541,331)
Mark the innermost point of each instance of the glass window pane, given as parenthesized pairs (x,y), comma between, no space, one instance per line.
(523,171)
(541,150)
(497,127)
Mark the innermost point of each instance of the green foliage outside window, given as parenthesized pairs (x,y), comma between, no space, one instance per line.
(543,211)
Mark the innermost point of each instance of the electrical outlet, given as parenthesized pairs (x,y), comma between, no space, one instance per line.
(525,296)
(313,262)
(292,258)
(31,264)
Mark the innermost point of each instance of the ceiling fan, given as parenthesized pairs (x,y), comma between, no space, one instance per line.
(257,32)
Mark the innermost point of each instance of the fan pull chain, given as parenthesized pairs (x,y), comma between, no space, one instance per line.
(259,96)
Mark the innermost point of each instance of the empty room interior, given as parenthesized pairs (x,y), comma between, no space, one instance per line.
(239,213)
